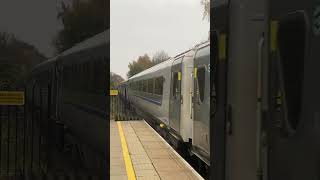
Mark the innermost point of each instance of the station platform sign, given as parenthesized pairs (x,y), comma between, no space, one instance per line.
(113,92)
(12,98)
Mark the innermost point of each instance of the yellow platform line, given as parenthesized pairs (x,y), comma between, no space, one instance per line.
(130,172)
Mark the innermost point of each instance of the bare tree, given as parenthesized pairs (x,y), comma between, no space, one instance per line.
(206,9)
(115,79)
(159,57)
(16,57)
(81,19)
(142,63)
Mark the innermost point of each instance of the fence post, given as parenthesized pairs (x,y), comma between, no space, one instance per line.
(16,150)
(24,133)
(1,119)
(8,142)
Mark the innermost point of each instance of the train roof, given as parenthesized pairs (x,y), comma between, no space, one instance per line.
(168,62)
(90,43)
(44,64)
(155,68)
(217,3)
(205,43)
(97,40)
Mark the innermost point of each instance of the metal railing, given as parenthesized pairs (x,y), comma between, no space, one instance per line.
(121,109)
(12,138)
(27,142)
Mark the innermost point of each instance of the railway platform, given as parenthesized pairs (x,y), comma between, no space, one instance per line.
(137,151)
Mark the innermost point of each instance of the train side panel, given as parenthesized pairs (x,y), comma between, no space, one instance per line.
(153,103)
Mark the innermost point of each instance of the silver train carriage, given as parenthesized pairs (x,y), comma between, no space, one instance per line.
(70,91)
(175,94)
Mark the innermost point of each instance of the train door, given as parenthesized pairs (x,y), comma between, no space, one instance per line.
(201,103)
(218,82)
(293,128)
(175,96)
(243,24)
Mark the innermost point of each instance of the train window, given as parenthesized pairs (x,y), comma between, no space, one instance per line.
(158,89)
(36,95)
(205,51)
(175,86)
(140,86)
(201,82)
(292,53)
(144,85)
(150,85)
(64,73)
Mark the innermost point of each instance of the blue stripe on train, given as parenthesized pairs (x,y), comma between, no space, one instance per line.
(150,100)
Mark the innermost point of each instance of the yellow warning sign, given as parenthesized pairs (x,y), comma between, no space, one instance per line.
(273,35)
(222,46)
(12,98)
(113,92)
(179,76)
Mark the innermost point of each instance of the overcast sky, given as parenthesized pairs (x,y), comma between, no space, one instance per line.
(137,26)
(146,26)
(33,21)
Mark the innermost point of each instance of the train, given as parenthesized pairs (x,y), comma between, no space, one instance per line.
(257,109)
(267,98)
(264,100)
(67,93)
(175,95)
